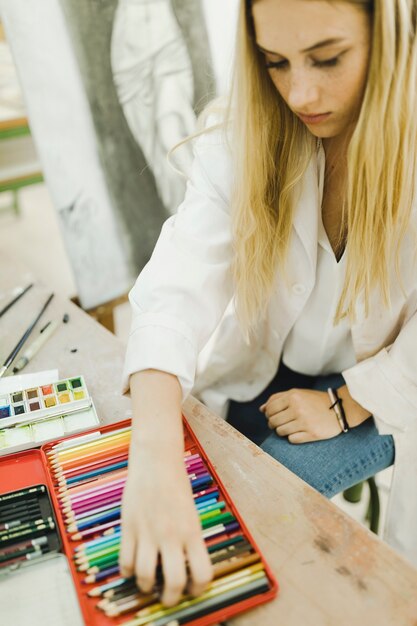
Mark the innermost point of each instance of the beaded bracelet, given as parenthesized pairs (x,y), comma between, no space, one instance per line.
(337,406)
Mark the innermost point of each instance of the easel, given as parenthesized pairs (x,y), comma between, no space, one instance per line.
(25,169)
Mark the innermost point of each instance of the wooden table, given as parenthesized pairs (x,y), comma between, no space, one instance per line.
(331,570)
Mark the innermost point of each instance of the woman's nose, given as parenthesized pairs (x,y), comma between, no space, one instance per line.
(303,93)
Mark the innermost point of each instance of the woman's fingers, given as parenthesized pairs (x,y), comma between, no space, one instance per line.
(300,437)
(146,561)
(167,527)
(127,552)
(175,578)
(279,419)
(275,404)
(201,570)
(288,429)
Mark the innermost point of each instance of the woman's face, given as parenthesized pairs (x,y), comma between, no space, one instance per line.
(317,55)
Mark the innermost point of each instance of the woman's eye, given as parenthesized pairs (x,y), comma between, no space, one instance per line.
(328,63)
(276,65)
(281,65)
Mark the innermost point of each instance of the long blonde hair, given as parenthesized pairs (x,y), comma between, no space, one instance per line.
(272,149)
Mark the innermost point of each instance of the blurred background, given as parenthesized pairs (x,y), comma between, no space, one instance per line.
(92,97)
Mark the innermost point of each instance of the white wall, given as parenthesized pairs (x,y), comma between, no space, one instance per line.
(221,17)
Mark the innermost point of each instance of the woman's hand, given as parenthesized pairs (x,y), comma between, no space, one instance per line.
(302,415)
(159,518)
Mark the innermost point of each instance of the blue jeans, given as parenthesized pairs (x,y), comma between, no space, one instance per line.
(331,465)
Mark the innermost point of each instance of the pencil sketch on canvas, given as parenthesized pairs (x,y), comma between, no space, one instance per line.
(154,81)
(102,132)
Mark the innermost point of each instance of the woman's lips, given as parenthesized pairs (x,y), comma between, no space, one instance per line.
(314,119)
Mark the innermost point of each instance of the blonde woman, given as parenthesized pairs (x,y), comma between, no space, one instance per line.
(289,269)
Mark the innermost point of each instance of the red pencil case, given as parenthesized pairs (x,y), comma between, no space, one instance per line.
(94,617)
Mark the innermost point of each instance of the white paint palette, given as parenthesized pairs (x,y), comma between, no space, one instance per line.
(37,414)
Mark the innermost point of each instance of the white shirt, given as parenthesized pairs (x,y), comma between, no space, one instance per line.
(315,346)
(184,322)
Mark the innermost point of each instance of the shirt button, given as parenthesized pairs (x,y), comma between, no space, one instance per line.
(298,289)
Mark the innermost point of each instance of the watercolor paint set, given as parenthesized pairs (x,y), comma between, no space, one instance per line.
(31,416)
(85,475)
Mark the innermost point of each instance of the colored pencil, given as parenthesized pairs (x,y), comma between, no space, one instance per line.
(92,454)
(238,548)
(103,515)
(88,545)
(97,591)
(199,495)
(16,495)
(126,602)
(87,496)
(119,477)
(90,476)
(103,546)
(214,589)
(71,512)
(202,510)
(92,531)
(30,524)
(78,442)
(18,512)
(24,557)
(201,505)
(212,604)
(102,453)
(94,512)
(192,613)
(220,529)
(23,533)
(89,448)
(129,597)
(26,519)
(94,483)
(224,543)
(94,578)
(39,541)
(18,505)
(89,466)
(223,518)
(97,469)
(82,557)
(15,554)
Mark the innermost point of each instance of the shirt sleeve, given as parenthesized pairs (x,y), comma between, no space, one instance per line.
(386,384)
(183,291)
